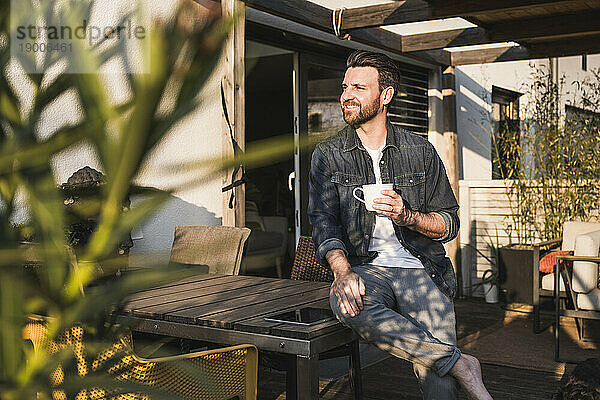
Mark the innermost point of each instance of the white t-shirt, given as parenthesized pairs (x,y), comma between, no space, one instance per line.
(390,251)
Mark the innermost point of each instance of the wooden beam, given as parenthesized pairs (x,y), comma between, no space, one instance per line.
(553,48)
(485,56)
(398,12)
(419,45)
(401,12)
(451,156)
(301,11)
(450,136)
(443,57)
(319,17)
(441,39)
(386,40)
(234,93)
(557,26)
(545,27)
(566,47)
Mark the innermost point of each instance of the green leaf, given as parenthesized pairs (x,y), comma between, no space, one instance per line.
(122,136)
(47,95)
(130,219)
(102,298)
(9,108)
(129,149)
(47,209)
(11,317)
(38,154)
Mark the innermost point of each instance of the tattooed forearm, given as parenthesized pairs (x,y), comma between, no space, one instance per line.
(431,224)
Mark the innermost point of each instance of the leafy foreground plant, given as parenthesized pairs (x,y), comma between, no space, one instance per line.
(183,54)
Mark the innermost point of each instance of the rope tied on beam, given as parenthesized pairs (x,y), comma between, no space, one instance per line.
(237,152)
(336,20)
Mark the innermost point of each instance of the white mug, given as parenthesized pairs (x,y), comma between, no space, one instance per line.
(371,192)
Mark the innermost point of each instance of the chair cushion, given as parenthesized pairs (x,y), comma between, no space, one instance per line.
(589,301)
(572,229)
(219,247)
(548,262)
(585,273)
(548,283)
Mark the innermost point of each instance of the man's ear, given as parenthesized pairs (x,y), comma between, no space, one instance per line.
(387,95)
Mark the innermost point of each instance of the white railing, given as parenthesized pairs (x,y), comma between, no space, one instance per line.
(484,212)
(484,208)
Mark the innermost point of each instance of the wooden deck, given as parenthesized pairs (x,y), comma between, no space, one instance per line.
(516,363)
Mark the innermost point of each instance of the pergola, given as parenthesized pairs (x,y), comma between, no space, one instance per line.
(511,29)
(540,28)
(499,30)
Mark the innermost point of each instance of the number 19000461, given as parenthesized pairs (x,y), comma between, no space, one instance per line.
(46,47)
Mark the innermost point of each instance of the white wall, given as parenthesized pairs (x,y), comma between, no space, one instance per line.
(196,137)
(474,106)
(570,67)
(474,103)
(484,206)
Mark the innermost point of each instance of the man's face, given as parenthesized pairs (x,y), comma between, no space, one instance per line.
(360,99)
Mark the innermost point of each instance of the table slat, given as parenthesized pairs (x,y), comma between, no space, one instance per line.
(195,314)
(210,299)
(305,332)
(227,319)
(181,286)
(190,291)
(236,302)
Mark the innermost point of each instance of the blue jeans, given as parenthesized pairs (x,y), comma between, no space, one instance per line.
(406,315)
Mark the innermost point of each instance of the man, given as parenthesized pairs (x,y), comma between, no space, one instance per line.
(392,284)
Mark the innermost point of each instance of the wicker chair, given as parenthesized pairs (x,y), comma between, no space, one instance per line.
(307,268)
(221,374)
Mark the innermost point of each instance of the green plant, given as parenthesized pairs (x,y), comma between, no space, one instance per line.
(184,52)
(553,172)
(490,275)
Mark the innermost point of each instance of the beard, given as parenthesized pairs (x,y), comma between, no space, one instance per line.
(362,114)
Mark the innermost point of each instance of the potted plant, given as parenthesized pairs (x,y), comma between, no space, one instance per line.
(552,177)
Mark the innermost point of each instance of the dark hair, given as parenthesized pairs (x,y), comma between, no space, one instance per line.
(581,384)
(389,73)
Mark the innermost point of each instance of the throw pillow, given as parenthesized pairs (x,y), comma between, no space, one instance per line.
(548,262)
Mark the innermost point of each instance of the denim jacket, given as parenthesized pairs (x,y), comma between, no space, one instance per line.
(341,163)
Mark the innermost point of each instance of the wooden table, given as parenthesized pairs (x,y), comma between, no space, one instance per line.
(231,309)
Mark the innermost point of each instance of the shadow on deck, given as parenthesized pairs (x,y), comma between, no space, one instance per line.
(516,363)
